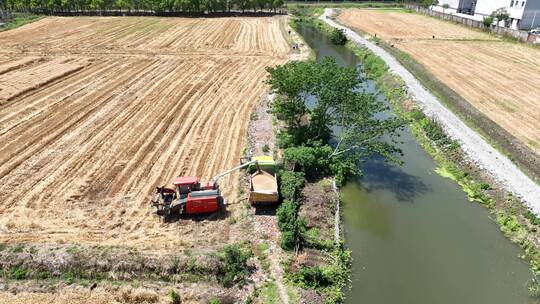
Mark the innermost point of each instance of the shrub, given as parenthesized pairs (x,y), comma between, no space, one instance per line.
(284,140)
(374,66)
(286,214)
(234,269)
(293,228)
(214,301)
(317,161)
(313,160)
(19,273)
(311,277)
(175,297)
(18,248)
(288,240)
(488,21)
(291,183)
(533,219)
(338,37)
(534,290)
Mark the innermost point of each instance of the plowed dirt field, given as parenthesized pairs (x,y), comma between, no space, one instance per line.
(96,112)
(499,78)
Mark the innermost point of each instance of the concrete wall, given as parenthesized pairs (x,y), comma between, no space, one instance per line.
(529,20)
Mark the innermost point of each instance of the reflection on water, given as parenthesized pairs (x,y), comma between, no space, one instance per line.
(415,239)
(370,215)
(381,175)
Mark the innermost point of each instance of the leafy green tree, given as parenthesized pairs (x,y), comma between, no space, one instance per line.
(501,15)
(97,4)
(487,21)
(445,7)
(241,4)
(121,4)
(292,82)
(277,4)
(159,6)
(340,105)
(429,3)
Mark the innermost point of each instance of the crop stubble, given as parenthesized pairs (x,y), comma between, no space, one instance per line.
(96,112)
(497,77)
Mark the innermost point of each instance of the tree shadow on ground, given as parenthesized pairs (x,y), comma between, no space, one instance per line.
(381,175)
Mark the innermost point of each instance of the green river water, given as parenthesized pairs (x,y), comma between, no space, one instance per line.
(415,239)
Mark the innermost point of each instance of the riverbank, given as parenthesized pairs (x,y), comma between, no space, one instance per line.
(298,258)
(302,270)
(516,221)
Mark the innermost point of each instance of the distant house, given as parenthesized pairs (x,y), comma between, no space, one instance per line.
(524,14)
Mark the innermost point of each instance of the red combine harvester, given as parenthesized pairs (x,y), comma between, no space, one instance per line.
(190,196)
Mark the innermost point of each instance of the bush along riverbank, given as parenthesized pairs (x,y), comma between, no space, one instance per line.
(319,262)
(515,220)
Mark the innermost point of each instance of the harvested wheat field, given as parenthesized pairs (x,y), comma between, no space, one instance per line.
(497,77)
(97,112)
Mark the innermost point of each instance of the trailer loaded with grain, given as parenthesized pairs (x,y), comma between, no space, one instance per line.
(263,187)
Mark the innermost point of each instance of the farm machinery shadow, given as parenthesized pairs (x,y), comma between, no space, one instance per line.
(266,209)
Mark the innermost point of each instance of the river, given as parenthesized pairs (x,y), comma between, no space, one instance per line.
(415,238)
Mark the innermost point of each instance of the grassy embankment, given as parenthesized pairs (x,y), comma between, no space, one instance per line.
(25,264)
(18,20)
(515,220)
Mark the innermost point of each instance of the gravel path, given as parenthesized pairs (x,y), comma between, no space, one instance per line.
(473,144)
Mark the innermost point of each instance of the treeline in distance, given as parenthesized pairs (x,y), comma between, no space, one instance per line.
(134,6)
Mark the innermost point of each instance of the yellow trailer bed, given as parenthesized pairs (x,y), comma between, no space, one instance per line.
(263,188)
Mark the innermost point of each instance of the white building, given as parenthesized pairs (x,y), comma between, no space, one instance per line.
(524,14)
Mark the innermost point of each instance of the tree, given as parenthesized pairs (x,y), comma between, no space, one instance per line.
(292,82)
(501,15)
(339,104)
(429,3)
(96,4)
(487,21)
(277,3)
(445,7)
